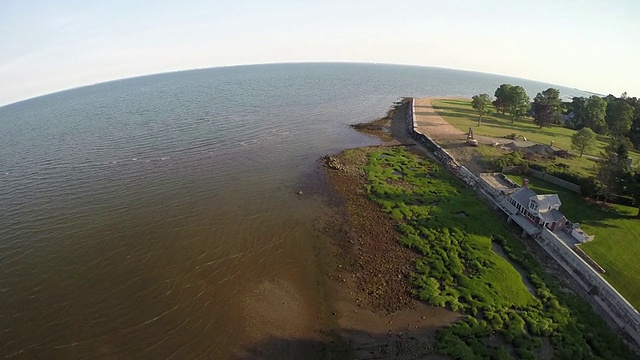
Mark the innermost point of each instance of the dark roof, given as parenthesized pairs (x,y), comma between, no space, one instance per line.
(505,204)
(552,216)
(522,196)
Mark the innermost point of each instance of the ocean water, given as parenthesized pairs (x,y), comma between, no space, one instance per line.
(154,217)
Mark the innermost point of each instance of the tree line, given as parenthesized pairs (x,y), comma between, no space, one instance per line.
(545,109)
(618,118)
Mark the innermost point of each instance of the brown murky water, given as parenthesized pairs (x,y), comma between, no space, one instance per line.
(157,217)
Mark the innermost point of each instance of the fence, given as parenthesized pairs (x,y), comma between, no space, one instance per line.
(555,180)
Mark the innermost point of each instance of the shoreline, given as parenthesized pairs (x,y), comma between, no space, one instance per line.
(369,308)
(362,316)
(376,313)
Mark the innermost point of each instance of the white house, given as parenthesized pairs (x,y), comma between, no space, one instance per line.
(538,209)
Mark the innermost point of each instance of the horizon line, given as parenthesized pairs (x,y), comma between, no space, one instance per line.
(282,63)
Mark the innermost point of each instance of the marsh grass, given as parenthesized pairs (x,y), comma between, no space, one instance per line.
(458,269)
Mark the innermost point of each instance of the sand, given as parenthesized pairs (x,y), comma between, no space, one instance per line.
(428,121)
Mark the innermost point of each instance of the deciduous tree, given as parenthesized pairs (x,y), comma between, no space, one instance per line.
(547,107)
(577,108)
(501,94)
(634,189)
(481,103)
(583,140)
(594,114)
(619,117)
(518,102)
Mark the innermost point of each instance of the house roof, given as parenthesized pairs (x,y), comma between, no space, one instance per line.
(551,216)
(546,201)
(525,224)
(506,205)
(522,196)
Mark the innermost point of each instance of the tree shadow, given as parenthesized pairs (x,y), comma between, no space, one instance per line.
(501,121)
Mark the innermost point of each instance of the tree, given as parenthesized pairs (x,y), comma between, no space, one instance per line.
(589,112)
(501,94)
(634,134)
(634,189)
(583,140)
(481,104)
(517,102)
(594,114)
(577,110)
(614,167)
(547,107)
(619,117)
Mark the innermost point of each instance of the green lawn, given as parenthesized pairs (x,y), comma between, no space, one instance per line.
(452,231)
(461,115)
(616,246)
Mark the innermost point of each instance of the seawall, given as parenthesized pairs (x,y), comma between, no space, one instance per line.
(612,303)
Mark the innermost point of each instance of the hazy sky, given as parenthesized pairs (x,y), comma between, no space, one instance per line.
(46,46)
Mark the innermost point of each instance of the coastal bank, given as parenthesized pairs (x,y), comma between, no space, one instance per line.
(375,276)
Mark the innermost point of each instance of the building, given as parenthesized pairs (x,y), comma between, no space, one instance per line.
(539,209)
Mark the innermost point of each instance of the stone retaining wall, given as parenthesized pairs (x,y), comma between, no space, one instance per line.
(622,313)
(614,304)
(442,155)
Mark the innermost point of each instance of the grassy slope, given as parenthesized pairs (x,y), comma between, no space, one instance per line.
(616,246)
(461,115)
(506,286)
(458,269)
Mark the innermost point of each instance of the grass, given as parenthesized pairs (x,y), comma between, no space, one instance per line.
(616,246)
(401,186)
(461,115)
(453,231)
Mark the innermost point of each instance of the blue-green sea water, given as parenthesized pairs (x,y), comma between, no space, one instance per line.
(154,217)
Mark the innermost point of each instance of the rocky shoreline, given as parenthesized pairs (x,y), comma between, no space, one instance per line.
(376,313)
(377,317)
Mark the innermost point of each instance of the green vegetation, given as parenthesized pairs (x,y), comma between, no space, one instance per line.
(453,231)
(576,170)
(616,247)
(583,140)
(513,100)
(482,105)
(546,108)
(461,115)
(589,112)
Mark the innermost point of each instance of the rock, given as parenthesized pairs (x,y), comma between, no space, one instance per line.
(332,163)
(299,192)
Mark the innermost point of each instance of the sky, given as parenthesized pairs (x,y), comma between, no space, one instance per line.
(48,46)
